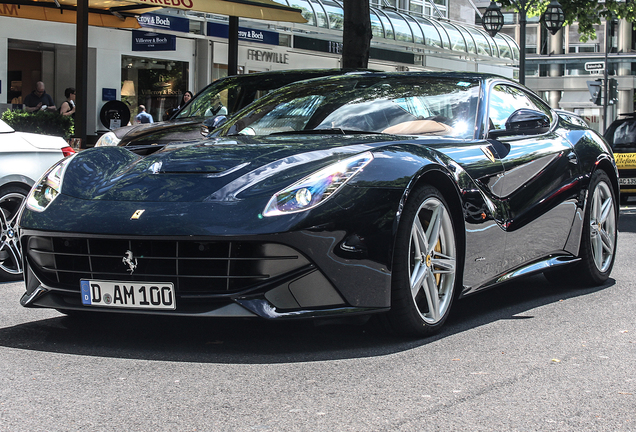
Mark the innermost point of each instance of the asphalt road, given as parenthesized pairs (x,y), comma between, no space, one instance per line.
(529,356)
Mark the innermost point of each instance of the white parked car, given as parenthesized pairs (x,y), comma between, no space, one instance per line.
(24,157)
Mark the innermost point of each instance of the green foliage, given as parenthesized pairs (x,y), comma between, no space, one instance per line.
(587,13)
(41,122)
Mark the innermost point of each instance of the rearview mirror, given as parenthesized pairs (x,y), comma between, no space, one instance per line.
(212,123)
(524,121)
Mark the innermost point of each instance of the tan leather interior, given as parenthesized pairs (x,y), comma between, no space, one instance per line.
(420,127)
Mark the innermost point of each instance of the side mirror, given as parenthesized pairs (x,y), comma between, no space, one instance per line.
(524,121)
(212,123)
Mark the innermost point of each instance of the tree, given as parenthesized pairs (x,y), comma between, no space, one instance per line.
(356,36)
(586,12)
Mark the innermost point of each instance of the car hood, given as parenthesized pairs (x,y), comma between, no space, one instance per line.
(220,169)
(160,132)
(43,142)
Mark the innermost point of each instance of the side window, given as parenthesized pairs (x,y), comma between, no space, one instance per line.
(541,106)
(504,100)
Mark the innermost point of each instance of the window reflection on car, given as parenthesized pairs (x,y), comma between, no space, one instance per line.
(410,105)
(571,117)
(504,100)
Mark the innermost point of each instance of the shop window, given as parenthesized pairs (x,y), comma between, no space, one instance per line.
(584,48)
(284,40)
(15,88)
(24,70)
(197,27)
(416,8)
(157,84)
(219,71)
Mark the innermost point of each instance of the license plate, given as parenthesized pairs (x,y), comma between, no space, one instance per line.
(137,295)
(627,181)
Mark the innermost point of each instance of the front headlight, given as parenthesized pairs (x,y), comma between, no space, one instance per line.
(108,139)
(316,188)
(48,187)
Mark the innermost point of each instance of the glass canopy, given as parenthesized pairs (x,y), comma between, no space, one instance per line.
(398,26)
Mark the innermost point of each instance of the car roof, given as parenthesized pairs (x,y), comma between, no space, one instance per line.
(483,77)
(285,75)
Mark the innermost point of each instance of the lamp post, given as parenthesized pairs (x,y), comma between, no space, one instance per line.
(553,18)
(493,19)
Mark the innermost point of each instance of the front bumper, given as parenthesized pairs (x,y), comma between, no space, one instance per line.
(339,267)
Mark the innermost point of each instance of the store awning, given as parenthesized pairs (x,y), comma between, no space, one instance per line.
(576,99)
(65,11)
(82,13)
(120,13)
(256,9)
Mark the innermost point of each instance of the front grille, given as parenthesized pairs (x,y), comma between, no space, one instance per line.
(196,268)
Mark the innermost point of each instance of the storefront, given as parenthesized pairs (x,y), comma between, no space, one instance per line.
(157,84)
(159,77)
(174,52)
(578,102)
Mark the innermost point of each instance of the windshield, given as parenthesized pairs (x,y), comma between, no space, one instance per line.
(410,105)
(625,134)
(230,94)
(213,100)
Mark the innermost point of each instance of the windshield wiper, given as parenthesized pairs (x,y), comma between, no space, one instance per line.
(330,131)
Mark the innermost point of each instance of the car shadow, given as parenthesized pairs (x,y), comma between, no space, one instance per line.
(264,342)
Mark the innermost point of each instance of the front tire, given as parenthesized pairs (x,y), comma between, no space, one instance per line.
(424,265)
(598,243)
(11,199)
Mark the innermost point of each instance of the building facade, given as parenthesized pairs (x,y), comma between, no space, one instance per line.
(558,67)
(175,51)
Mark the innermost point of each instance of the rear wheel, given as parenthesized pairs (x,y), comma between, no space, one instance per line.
(11,199)
(424,267)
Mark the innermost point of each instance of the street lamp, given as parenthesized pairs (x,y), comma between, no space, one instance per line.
(553,19)
(493,19)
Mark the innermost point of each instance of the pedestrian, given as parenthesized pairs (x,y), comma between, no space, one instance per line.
(143,116)
(39,99)
(68,106)
(187,97)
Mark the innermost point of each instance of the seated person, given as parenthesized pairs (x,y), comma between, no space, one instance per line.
(216,107)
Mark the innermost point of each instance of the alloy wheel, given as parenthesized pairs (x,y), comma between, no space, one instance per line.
(432,257)
(602,226)
(10,252)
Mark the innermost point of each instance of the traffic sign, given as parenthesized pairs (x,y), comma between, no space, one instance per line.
(595,87)
(595,66)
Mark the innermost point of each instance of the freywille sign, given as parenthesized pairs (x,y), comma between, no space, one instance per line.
(335,47)
(267,56)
